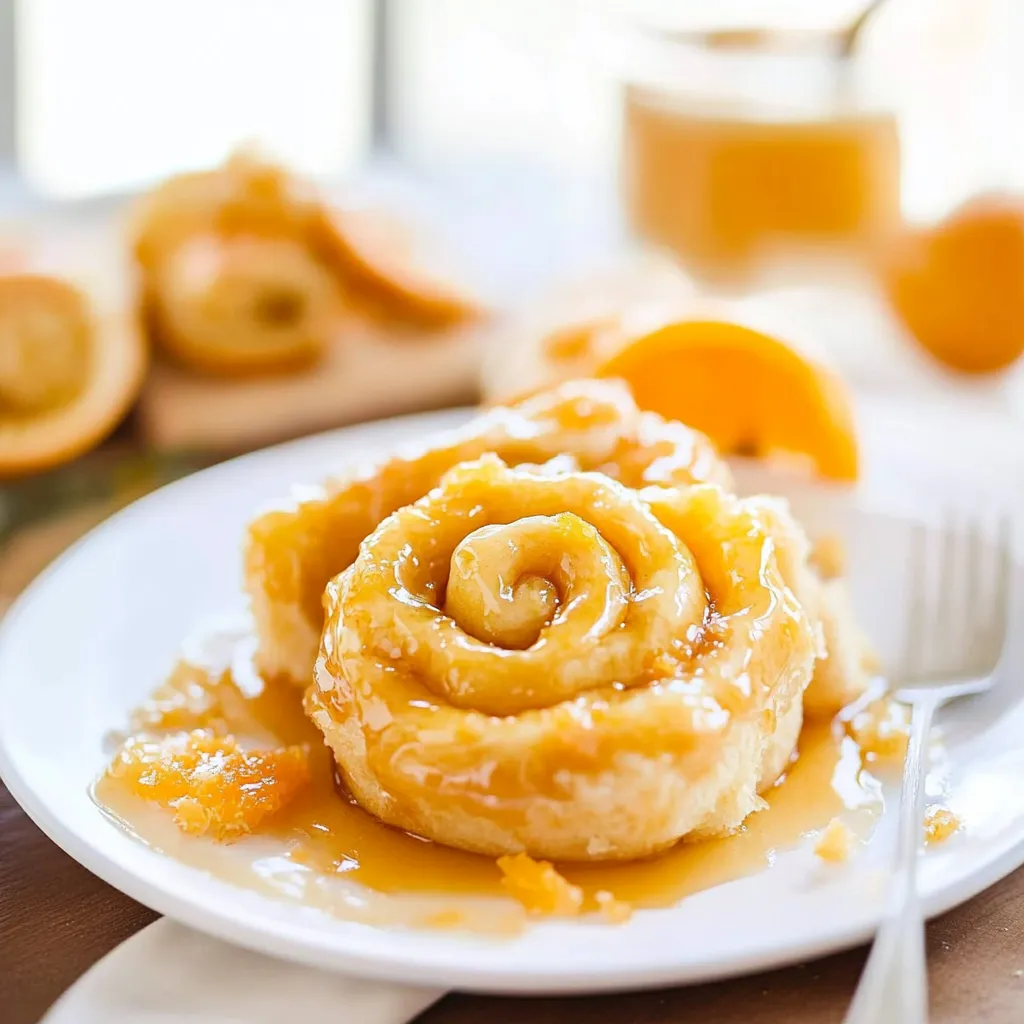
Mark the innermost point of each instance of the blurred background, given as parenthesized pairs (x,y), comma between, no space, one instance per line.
(803,165)
(498,108)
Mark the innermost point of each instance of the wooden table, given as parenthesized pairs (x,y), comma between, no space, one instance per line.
(56,919)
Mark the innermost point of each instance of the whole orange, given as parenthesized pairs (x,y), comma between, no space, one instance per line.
(958,287)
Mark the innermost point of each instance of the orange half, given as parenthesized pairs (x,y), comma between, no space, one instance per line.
(750,393)
(73,378)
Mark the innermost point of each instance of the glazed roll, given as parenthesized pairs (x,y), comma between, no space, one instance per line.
(547,660)
(291,553)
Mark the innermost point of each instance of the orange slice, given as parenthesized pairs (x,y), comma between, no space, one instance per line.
(246,269)
(245,195)
(66,378)
(244,304)
(749,392)
(233,280)
(383,264)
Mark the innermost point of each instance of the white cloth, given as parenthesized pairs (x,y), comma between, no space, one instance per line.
(169,974)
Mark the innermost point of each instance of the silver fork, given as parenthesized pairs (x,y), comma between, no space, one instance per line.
(956,631)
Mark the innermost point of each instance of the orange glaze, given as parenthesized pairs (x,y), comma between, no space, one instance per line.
(322,837)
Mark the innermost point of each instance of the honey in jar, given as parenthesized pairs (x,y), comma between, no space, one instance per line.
(745,152)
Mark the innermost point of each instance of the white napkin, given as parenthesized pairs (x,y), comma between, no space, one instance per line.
(168,974)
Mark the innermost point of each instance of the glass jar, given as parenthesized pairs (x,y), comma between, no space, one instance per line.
(757,157)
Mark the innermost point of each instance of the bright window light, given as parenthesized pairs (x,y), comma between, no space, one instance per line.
(113,94)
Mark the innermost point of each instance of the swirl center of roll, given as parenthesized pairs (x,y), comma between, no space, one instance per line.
(552,584)
(509,582)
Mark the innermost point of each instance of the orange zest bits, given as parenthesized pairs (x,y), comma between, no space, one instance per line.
(750,393)
(212,785)
(614,911)
(939,824)
(539,887)
(835,842)
(882,730)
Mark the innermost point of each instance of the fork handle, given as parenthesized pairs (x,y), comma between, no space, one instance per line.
(893,988)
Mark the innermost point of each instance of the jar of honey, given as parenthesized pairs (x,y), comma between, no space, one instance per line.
(756,154)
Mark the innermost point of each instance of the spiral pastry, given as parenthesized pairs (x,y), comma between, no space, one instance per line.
(545,660)
(592,425)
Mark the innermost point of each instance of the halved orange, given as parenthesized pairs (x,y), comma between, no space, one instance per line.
(67,375)
(749,392)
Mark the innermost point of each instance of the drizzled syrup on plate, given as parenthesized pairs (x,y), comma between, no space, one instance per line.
(324,851)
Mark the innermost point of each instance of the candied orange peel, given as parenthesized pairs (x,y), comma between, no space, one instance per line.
(213,786)
(539,887)
(882,729)
(835,843)
(939,824)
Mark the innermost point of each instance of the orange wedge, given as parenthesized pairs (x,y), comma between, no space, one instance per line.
(67,378)
(749,392)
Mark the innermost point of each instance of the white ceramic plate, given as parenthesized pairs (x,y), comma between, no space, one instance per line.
(98,629)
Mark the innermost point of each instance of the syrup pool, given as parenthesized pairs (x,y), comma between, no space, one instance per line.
(324,851)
